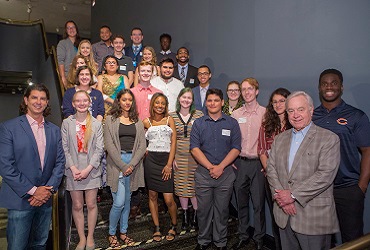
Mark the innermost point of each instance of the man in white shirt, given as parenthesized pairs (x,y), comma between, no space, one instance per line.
(169,85)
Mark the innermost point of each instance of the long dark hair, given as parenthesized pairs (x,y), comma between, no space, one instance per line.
(154,97)
(39,87)
(116,110)
(271,121)
(65,34)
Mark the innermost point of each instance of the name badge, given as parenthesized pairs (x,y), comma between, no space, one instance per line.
(191,81)
(242,120)
(122,67)
(141,53)
(226,132)
(150,96)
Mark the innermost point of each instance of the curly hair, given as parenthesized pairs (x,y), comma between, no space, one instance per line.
(271,121)
(116,110)
(39,87)
(77,82)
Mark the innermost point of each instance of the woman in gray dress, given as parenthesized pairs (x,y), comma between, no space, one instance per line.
(82,138)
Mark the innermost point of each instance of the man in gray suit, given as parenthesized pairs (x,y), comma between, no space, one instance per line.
(302,166)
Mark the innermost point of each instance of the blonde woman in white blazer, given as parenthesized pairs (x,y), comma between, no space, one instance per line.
(82,138)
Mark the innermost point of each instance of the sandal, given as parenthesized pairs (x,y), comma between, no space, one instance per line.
(113,242)
(127,240)
(171,233)
(157,236)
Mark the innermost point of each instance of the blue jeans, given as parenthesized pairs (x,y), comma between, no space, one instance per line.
(120,210)
(28,229)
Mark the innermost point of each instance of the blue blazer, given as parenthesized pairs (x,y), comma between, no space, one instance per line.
(20,162)
(198,101)
(130,53)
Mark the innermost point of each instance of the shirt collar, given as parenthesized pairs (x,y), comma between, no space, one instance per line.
(103,43)
(141,87)
(303,131)
(254,111)
(33,122)
(133,46)
(223,117)
(166,52)
(338,108)
(168,81)
(205,88)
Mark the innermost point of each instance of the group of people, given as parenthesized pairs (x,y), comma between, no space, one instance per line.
(166,129)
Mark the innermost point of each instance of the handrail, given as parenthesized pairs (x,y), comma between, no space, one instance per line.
(30,23)
(357,244)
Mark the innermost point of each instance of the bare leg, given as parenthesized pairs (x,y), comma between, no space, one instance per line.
(78,216)
(172,207)
(153,206)
(92,214)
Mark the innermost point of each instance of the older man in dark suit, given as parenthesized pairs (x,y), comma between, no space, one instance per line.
(301,169)
(32,165)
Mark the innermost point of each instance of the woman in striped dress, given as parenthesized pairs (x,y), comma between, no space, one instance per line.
(184,163)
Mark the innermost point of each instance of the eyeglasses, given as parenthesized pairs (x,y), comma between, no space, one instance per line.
(233,90)
(110,63)
(274,103)
(203,73)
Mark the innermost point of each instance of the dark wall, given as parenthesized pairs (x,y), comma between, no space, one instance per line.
(281,43)
(22,48)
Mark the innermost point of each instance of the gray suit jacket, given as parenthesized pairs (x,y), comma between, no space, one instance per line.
(310,180)
(95,146)
(115,165)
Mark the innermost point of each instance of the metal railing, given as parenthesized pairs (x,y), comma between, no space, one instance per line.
(357,244)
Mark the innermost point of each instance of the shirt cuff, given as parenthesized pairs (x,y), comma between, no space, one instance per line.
(32,190)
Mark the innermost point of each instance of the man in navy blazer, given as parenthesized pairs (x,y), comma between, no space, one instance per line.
(204,77)
(135,51)
(32,165)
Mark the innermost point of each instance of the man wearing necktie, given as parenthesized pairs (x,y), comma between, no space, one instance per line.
(301,169)
(185,72)
(135,51)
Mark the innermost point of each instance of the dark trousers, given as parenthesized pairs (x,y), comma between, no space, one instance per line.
(250,182)
(297,241)
(349,202)
(213,198)
(275,228)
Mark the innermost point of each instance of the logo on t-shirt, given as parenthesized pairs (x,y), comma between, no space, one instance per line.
(342,121)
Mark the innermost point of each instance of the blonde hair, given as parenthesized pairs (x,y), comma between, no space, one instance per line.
(154,55)
(88,131)
(90,58)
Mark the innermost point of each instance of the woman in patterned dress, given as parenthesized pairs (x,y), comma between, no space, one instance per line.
(184,163)
(111,82)
(82,137)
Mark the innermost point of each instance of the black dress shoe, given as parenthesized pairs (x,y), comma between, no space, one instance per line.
(241,244)
(201,247)
(259,244)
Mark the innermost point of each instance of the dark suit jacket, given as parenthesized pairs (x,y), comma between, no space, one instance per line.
(310,180)
(130,53)
(20,162)
(198,100)
(192,74)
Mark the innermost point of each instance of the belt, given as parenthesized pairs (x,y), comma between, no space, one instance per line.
(244,158)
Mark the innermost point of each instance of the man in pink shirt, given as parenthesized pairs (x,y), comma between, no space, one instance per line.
(32,164)
(144,91)
(250,181)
